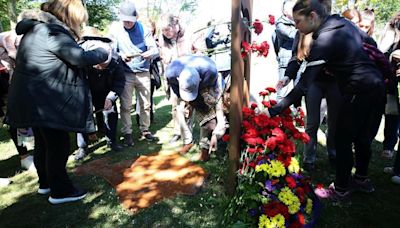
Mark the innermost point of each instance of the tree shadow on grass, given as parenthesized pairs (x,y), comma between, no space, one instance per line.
(4,135)
(10,166)
(63,215)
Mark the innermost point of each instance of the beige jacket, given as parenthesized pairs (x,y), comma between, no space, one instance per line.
(8,49)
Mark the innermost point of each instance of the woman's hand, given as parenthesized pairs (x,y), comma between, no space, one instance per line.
(213,144)
(283,82)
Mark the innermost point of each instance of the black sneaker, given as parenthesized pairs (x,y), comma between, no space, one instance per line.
(76,195)
(362,185)
(115,146)
(81,153)
(148,136)
(175,138)
(128,140)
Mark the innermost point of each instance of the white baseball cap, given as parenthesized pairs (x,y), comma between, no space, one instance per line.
(127,11)
(189,81)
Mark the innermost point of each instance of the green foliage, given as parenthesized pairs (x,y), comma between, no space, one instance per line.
(384,9)
(21,5)
(101,12)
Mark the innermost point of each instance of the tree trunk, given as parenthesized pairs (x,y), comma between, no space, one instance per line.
(240,70)
(12,12)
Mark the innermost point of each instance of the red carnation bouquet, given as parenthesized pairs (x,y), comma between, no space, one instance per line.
(272,192)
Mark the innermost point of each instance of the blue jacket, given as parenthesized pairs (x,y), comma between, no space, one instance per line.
(285,34)
(202,64)
(123,44)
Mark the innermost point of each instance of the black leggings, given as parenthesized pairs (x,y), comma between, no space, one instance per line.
(52,148)
(356,118)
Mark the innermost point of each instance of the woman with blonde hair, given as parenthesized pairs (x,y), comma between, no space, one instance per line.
(353,15)
(367,23)
(49,91)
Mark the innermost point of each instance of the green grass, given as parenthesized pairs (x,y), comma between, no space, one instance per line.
(21,206)
(378,209)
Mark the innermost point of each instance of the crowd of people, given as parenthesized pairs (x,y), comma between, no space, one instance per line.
(55,77)
(335,58)
(63,76)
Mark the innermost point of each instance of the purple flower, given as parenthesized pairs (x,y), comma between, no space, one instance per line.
(296,176)
(253,212)
(268,185)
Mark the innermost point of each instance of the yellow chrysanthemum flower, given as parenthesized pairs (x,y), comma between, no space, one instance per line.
(309,206)
(263,221)
(262,167)
(294,166)
(277,169)
(278,221)
(289,199)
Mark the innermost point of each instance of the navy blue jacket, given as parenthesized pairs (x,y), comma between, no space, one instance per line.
(202,64)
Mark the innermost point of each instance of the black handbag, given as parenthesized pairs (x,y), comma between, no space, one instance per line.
(155,72)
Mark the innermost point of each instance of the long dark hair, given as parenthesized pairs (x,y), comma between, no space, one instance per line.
(199,104)
(305,7)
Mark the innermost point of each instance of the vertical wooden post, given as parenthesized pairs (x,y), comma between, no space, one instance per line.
(241,12)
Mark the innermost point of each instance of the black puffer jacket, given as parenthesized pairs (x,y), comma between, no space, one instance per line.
(48,88)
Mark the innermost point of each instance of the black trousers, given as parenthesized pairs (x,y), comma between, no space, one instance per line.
(315,93)
(52,148)
(356,118)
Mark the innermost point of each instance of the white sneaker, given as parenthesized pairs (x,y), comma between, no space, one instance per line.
(78,194)
(43,191)
(388,170)
(396,179)
(4,182)
(27,163)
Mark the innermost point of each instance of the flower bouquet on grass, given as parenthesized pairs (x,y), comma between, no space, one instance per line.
(272,192)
